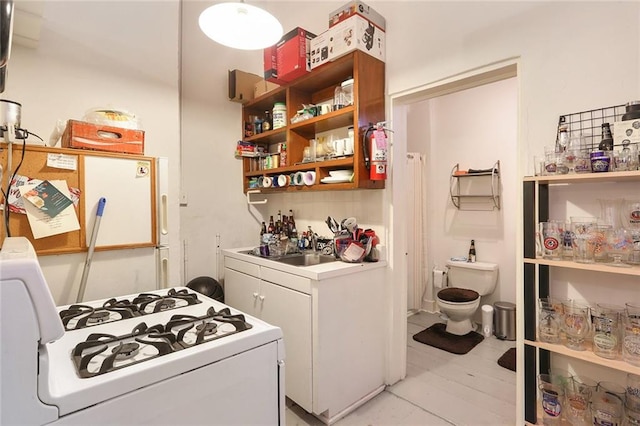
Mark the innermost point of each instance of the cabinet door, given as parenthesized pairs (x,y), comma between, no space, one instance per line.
(291,311)
(241,291)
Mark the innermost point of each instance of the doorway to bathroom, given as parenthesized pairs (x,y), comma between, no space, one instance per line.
(471,121)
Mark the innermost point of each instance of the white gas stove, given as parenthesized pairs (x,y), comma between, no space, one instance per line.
(170,356)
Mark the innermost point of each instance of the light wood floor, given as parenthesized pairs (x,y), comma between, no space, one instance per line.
(440,388)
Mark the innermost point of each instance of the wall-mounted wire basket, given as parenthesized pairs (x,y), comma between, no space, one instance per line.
(589,123)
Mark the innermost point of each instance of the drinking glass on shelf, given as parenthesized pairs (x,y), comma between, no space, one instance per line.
(552,240)
(578,394)
(619,246)
(582,239)
(606,330)
(633,392)
(549,320)
(606,409)
(631,334)
(575,324)
(551,399)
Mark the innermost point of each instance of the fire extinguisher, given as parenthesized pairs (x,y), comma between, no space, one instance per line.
(375,148)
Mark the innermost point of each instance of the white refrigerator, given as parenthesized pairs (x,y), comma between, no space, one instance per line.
(132,245)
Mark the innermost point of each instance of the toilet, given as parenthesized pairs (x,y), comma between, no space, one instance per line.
(467,282)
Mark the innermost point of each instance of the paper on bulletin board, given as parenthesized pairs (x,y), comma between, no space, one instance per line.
(16,202)
(43,225)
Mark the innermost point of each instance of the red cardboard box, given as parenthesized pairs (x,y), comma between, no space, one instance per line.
(271,65)
(80,134)
(293,54)
(289,58)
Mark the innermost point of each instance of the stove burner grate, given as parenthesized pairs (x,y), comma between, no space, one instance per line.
(116,352)
(81,316)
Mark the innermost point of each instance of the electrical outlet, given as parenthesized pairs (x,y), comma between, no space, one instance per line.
(183,199)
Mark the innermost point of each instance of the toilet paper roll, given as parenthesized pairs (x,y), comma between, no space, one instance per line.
(487,320)
(438,278)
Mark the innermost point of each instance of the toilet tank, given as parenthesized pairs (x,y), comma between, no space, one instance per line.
(477,276)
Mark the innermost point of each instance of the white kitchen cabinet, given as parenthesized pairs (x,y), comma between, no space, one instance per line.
(288,309)
(537,283)
(333,321)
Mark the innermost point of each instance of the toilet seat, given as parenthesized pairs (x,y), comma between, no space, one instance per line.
(458,295)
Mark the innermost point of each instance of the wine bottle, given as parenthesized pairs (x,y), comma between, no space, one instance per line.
(606,144)
(472,252)
(271,229)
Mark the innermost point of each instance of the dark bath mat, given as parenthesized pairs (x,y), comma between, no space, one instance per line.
(437,336)
(508,359)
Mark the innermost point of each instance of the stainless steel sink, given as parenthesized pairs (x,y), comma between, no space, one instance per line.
(305,259)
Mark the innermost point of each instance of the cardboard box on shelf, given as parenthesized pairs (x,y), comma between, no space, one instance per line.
(242,85)
(80,134)
(626,131)
(289,58)
(293,54)
(347,36)
(356,8)
(263,87)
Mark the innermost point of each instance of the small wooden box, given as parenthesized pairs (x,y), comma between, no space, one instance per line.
(80,134)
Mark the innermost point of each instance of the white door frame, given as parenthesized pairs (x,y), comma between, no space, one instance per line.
(397,199)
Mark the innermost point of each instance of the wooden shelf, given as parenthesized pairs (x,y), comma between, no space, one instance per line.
(586,177)
(536,283)
(318,87)
(586,355)
(595,267)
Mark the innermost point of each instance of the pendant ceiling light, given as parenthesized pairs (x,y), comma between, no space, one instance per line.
(240,26)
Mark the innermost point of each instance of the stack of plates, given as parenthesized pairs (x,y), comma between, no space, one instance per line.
(338,176)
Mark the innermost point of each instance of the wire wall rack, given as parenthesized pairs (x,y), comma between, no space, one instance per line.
(589,123)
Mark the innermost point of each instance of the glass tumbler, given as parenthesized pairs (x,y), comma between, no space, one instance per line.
(575,324)
(552,400)
(582,239)
(549,317)
(606,330)
(633,392)
(631,334)
(552,237)
(578,395)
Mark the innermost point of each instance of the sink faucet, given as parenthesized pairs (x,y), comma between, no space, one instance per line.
(313,237)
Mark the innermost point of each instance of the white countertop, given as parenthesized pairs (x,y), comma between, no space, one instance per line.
(314,272)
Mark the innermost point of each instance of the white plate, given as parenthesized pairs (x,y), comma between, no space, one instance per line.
(341,173)
(336,179)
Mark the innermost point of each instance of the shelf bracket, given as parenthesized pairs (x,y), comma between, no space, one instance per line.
(250,201)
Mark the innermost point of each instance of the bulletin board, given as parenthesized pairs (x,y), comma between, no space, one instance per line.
(96,173)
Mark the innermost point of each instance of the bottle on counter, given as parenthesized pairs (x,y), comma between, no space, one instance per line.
(272,228)
(606,144)
(263,230)
(472,252)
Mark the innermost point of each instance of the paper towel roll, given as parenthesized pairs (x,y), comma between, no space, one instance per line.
(438,278)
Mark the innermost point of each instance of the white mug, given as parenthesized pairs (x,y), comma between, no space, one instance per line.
(267,182)
(348,146)
(338,147)
(283,180)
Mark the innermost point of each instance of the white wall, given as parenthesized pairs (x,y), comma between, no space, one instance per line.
(473,128)
(96,54)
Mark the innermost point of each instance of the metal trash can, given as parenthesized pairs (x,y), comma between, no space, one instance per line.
(504,320)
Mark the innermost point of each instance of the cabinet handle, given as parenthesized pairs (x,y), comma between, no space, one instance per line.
(255,295)
(262,298)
